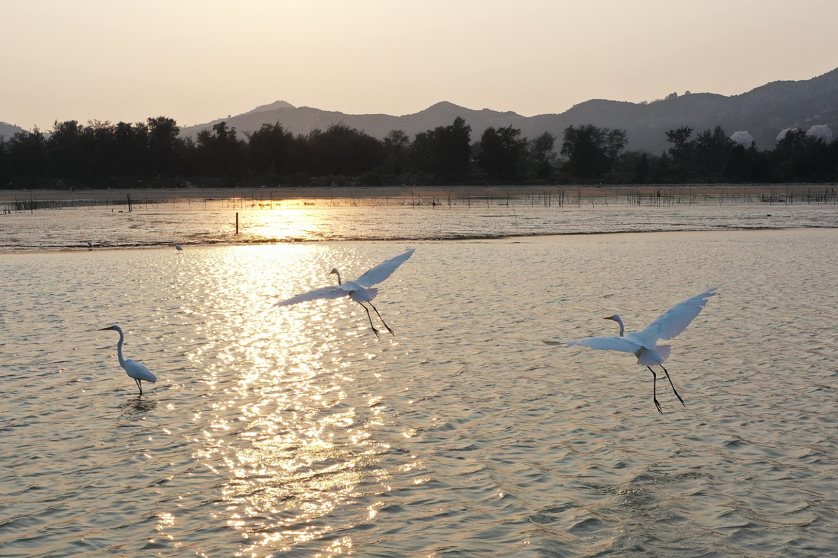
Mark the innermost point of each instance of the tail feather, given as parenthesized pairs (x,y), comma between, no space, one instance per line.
(645,357)
(365,295)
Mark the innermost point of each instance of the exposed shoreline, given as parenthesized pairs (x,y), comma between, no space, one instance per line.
(104,219)
(381,192)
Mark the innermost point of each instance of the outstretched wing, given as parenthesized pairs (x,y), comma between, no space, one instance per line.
(332,291)
(606,344)
(676,319)
(383,270)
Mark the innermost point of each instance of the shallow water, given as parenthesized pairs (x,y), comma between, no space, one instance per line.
(214,222)
(295,431)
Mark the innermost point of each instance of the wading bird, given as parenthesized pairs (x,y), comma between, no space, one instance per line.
(358,290)
(133,368)
(644,344)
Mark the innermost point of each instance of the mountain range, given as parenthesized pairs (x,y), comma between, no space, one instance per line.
(763,112)
(8,130)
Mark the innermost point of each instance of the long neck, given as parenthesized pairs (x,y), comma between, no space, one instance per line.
(622,328)
(338,274)
(119,348)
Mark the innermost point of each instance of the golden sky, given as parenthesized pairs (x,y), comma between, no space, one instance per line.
(199,60)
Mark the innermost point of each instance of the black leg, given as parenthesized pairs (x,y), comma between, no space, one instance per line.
(382,319)
(139,385)
(673,387)
(370,319)
(654,389)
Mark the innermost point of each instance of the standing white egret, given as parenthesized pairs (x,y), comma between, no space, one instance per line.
(358,290)
(133,368)
(644,344)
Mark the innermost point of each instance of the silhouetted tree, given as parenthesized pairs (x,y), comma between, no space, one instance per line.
(711,150)
(746,164)
(682,147)
(542,155)
(220,151)
(163,144)
(5,168)
(66,154)
(269,149)
(130,149)
(444,151)
(27,153)
(500,151)
(591,150)
(641,168)
(344,150)
(396,145)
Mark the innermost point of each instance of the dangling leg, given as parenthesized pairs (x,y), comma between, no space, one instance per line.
(673,387)
(382,319)
(370,319)
(654,389)
(139,385)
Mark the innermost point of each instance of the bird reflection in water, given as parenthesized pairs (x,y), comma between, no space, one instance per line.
(137,407)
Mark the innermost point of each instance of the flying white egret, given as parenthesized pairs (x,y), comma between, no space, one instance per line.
(644,344)
(358,290)
(133,368)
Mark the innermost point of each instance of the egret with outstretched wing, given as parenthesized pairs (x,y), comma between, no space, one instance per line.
(644,344)
(134,369)
(358,290)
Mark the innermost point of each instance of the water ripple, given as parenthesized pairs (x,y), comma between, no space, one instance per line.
(296,431)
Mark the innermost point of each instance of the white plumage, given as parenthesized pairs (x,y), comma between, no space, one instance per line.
(358,290)
(644,344)
(139,372)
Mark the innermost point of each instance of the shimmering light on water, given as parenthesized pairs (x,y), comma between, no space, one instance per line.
(294,430)
(190,224)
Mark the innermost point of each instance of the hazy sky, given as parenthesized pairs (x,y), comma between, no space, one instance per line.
(199,60)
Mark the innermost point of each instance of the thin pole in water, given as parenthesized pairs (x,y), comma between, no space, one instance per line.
(237,222)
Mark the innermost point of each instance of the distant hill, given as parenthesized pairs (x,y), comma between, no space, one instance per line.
(8,130)
(763,112)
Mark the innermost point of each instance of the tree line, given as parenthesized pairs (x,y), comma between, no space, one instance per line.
(100,153)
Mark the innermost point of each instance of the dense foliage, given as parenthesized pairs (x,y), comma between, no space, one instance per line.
(101,153)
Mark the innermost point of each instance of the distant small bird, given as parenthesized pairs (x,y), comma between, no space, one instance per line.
(644,344)
(358,290)
(133,368)
(178,247)
(89,244)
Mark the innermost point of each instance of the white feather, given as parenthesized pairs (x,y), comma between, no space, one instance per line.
(675,320)
(332,291)
(383,270)
(358,290)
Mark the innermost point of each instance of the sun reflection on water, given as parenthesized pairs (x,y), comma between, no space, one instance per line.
(287,224)
(288,431)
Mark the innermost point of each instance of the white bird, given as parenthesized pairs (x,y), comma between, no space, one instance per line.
(358,290)
(133,368)
(644,344)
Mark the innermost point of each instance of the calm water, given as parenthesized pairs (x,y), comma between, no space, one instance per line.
(294,431)
(202,222)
